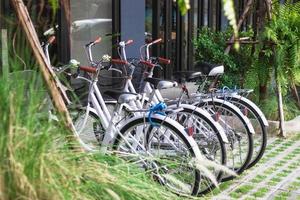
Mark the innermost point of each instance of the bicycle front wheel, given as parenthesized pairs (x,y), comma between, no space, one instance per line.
(206,134)
(163,150)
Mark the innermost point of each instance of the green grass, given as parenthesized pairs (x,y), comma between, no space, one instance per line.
(272,183)
(261,192)
(282,195)
(258,179)
(36,161)
(279,164)
(244,189)
(250,198)
(293,166)
(276,179)
(222,187)
(294,186)
(270,170)
(279,197)
(235,195)
(282,174)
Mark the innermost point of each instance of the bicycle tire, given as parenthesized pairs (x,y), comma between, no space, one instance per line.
(141,121)
(249,137)
(262,147)
(222,160)
(91,134)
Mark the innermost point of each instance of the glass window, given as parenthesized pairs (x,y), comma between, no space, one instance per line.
(89,19)
(205,13)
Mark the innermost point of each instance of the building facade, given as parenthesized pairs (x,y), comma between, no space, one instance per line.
(77,22)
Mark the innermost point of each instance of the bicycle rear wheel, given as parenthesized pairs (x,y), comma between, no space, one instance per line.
(240,146)
(260,136)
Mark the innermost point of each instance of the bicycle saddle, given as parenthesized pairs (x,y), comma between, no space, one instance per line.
(209,69)
(182,76)
(123,97)
(160,84)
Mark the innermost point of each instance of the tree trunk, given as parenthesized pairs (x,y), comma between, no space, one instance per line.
(268,4)
(4,53)
(280,106)
(240,22)
(263,93)
(54,86)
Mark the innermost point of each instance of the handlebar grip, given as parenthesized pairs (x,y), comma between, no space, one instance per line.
(88,69)
(156,41)
(148,64)
(98,40)
(119,62)
(51,39)
(128,42)
(164,61)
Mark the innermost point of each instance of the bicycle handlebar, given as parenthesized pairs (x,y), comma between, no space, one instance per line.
(51,39)
(88,69)
(98,40)
(147,63)
(119,61)
(155,41)
(164,61)
(128,42)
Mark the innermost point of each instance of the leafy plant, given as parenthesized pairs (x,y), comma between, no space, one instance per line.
(36,163)
(210,46)
(283,30)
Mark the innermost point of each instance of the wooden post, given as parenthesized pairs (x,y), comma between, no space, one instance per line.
(4,53)
(240,22)
(280,105)
(268,4)
(54,87)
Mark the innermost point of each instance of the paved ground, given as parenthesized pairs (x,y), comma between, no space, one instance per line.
(276,176)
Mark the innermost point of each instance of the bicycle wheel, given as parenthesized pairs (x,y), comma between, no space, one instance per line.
(255,116)
(88,128)
(208,138)
(240,146)
(168,159)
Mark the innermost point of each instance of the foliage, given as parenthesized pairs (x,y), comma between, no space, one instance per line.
(35,159)
(54,5)
(184,6)
(36,163)
(210,46)
(269,108)
(283,30)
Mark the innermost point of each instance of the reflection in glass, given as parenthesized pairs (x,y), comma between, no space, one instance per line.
(90,18)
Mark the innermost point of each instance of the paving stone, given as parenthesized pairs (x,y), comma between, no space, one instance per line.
(276,177)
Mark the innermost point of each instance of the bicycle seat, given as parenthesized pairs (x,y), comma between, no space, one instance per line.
(160,84)
(123,97)
(182,76)
(209,69)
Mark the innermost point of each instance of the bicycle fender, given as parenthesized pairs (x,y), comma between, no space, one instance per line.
(236,109)
(207,115)
(254,106)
